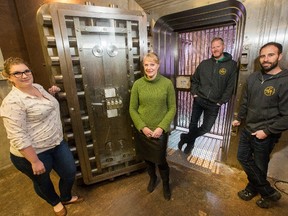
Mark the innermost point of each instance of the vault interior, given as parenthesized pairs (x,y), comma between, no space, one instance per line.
(182,41)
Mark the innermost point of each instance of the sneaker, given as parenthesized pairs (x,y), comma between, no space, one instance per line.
(275,196)
(246,195)
(265,202)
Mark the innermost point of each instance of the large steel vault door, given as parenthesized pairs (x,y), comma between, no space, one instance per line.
(94,56)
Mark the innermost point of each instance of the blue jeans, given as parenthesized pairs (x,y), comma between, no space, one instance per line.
(254,156)
(210,111)
(59,159)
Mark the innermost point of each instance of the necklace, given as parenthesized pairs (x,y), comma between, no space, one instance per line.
(266,77)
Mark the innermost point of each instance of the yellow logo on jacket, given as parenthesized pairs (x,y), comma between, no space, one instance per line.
(222,71)
(269,91)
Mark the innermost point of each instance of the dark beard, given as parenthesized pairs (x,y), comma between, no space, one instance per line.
(274,65)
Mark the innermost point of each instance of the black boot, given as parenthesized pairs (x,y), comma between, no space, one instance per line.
(165,180)
(183,140)
(153,177)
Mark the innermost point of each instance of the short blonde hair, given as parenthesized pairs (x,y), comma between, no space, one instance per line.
(152,56)
(217,39)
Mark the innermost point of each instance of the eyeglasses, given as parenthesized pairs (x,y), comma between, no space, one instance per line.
(18,74)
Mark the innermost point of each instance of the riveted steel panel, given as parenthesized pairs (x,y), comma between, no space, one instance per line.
(94,55)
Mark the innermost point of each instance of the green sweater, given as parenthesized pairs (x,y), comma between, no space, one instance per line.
(153,103)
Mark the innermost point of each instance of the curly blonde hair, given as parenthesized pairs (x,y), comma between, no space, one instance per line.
(8,63)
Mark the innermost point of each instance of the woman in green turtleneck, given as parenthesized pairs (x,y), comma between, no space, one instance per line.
(152,109)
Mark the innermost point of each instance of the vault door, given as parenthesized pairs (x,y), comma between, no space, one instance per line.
(105,51)
(93,54)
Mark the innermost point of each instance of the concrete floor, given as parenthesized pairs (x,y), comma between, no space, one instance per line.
(194,193)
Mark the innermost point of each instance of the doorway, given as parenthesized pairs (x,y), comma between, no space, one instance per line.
(193,47)
(182,41)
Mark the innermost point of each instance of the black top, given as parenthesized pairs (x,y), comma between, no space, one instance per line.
(215,80)
(265,103)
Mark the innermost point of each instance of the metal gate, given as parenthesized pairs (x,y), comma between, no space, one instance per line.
(93,54)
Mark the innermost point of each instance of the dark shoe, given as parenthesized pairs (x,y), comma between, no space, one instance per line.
(265,202)
(62,212)
(166,191)
(182,141)
(152,185)
(246,195)
(78,200)
(180,144)
(188,148)
(274,197)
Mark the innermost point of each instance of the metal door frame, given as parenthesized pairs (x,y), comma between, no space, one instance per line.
(168,27)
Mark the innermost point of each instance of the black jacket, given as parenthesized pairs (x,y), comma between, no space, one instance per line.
(215,80)
(265,103)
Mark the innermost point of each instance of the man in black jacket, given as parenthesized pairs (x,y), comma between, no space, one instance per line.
(212,85)
(264,108)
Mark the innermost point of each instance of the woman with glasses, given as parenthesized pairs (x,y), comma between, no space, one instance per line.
(31,117)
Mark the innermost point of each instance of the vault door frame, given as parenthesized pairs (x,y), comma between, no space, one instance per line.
(61,54)
(165,39)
